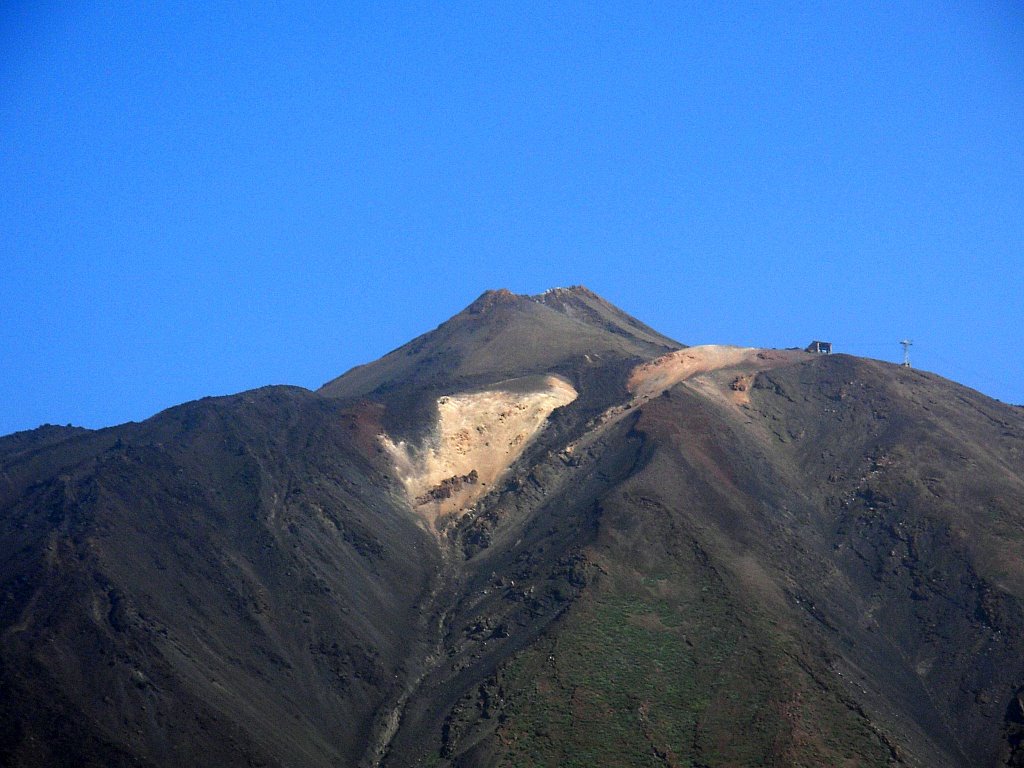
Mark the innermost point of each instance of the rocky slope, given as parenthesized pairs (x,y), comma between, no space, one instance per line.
(542,534)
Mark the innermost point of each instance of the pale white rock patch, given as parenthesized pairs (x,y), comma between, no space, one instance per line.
(653,378)
(477,437)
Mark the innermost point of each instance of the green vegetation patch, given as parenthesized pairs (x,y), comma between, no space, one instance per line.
(666,671)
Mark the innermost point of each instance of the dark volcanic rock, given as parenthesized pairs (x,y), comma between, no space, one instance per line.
(449,487)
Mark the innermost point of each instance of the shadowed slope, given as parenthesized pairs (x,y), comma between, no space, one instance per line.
(222,584)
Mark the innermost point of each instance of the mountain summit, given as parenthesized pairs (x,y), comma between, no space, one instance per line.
(505,335)
(541,534)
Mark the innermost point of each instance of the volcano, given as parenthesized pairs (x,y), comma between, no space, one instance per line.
(540,534)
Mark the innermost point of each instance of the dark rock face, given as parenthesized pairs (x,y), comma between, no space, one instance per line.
(817,563)
(449,487)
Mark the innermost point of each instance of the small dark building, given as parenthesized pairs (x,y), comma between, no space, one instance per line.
(820,347)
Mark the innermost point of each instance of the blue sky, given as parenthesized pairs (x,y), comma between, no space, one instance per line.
(201,199)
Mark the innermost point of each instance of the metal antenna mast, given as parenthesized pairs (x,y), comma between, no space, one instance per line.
(906,352)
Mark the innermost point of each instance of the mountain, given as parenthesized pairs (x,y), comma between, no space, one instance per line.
(541,534)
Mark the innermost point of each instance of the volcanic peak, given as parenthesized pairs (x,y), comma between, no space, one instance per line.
(552,297)
(490,299)
(502,335)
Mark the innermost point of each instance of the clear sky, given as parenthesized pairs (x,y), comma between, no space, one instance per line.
(198,199)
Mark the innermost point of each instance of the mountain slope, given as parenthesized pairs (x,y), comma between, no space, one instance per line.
(541,534)
(818,563)
(222,584)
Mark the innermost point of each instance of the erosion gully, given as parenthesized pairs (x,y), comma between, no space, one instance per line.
(434,617)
